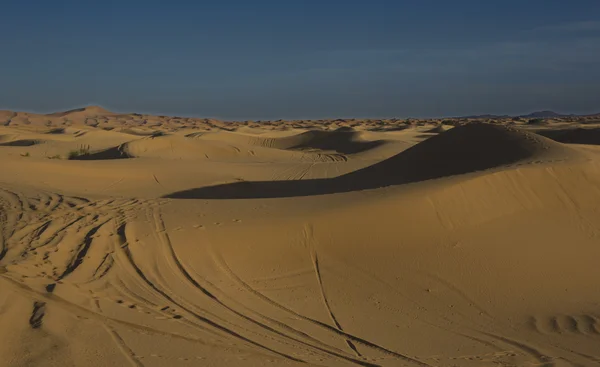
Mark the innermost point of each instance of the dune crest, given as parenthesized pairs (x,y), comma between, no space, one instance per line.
(461,150)
(84,111)
(464,149)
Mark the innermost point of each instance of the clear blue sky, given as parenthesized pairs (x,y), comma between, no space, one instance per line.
(244,59)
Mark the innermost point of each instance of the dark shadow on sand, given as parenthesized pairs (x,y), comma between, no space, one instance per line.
(470,148)
(20,143)
(119,152)
(590,136)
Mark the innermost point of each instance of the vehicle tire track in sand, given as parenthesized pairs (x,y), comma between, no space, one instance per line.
(107,211)
(126,269)
(542,359)
(127,352)
(199,317)
(13,216)
(166,242)
(309,242)
(323,348)
(78,225)
(77,259)
(221,262)
(85,313)
(124,260)
(225,267)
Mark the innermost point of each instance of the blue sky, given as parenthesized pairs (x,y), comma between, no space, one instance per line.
(237,59)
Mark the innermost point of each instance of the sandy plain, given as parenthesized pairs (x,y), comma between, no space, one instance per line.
(130,239)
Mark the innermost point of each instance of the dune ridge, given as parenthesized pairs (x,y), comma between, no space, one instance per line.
(466,149)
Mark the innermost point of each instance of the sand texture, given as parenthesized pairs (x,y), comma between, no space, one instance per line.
(130,239)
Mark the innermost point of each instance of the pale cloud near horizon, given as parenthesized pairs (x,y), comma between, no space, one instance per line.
(540,53)
(579,26)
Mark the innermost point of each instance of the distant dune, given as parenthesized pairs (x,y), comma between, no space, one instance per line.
(84,111)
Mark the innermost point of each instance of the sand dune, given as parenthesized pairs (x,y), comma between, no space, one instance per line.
(331,243)
(88,111)
(465,149)
(338,141)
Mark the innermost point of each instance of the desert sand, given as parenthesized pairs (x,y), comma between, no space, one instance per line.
(130,239)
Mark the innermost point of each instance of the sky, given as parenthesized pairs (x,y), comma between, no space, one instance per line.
(299,59)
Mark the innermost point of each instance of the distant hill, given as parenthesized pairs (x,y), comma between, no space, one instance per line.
(544,114)
(533,115)
(492,117)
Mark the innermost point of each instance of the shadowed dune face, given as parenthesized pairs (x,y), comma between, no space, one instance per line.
(465,149)
(590,136)
(119,152)
(343,141)
(58,130)
(138,132)
(20,143)
(340,141)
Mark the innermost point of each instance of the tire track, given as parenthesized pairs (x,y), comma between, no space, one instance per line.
(124,264)
(76,228)
(82,250)
(88,314)
(201,318)
(167,244)
(219,260)
(309,243)
(127,352)
(223,265)
(165,241)
(542,359)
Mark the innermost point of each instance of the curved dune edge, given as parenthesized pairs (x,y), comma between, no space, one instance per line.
(342,141)
(467,149)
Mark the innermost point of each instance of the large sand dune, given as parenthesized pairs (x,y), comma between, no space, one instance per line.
(162,241)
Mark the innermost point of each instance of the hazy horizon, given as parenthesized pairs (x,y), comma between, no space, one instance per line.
(315,118)
(235,60)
